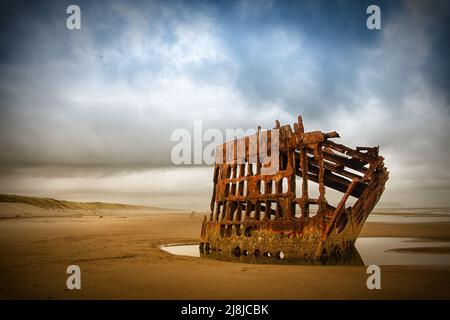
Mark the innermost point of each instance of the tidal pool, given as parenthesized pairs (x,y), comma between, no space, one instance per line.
(375,250)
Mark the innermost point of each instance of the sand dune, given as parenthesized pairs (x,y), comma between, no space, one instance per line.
(50,203)
(22,207)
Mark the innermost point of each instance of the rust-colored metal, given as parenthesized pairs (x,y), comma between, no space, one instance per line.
(269,215)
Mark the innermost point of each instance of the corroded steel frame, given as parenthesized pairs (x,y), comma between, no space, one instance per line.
(262,215)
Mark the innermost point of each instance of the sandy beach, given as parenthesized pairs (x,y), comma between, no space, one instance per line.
(119,254)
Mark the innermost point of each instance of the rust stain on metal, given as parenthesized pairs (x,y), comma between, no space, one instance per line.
(271,215)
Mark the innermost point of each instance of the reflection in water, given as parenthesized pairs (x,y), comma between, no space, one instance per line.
(368,251)
(190,250)
(351,257)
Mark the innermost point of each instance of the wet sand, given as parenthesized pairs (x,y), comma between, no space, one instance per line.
(119,256)
(428,250)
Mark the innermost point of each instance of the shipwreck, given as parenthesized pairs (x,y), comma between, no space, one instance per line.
(257,214)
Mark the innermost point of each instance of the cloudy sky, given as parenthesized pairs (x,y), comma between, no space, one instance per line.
(88,114)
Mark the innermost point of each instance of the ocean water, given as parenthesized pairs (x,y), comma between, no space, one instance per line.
(410,215)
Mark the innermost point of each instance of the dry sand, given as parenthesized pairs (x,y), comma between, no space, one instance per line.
(119,256)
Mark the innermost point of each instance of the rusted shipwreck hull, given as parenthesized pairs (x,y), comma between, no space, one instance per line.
(270,216)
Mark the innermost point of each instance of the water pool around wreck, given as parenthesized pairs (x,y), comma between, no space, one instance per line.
(378,250)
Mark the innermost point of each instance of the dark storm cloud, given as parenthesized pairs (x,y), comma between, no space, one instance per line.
(111,94)
(329,36)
